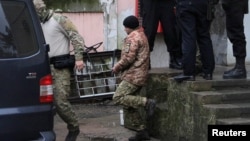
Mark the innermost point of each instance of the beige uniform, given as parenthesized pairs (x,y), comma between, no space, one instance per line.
(59,32)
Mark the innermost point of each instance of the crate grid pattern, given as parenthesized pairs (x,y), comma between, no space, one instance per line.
(97,79)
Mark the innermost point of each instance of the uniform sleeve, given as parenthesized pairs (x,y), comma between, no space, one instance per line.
(76,39)
(128,57)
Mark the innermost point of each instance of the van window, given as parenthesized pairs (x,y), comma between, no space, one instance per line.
(17,35)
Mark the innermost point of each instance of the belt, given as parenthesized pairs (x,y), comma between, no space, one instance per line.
(59,58)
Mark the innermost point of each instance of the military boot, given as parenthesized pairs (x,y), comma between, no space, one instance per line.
(229,71)
(140,136)
(238,72)
(175,62)
(72,135)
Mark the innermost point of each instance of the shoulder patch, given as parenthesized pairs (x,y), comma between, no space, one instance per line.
(127,47)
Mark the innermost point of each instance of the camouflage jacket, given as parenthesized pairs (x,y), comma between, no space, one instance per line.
(134,60)
(60,32)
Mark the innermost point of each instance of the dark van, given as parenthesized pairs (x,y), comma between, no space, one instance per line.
(26,95)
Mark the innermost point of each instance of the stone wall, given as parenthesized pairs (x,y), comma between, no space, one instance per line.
(179,115)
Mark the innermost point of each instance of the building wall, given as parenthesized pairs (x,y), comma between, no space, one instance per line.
(90,26)
(103,22)
(221,44)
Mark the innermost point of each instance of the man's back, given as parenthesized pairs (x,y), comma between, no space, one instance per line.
(56,35)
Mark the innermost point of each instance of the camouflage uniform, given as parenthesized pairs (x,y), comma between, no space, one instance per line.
(59,32)
(134,65)
(61,92)
(62,77)
(127,95)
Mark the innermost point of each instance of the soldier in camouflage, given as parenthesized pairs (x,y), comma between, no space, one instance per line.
(134,65)
(59,32)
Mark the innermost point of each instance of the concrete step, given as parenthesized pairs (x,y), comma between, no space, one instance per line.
(234,121)
(236,95)
(218,84)
(229,110)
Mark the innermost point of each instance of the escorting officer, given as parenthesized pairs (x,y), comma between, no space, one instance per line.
(195,26)
(133,65)
(59,32)
(235,10)
(155,11)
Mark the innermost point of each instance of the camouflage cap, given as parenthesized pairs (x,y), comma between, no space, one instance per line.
(39,4)
(41,10)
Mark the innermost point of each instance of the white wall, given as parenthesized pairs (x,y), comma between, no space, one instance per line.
(247,33)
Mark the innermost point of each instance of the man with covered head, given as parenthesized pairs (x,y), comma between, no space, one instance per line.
(59,32)
(134,65)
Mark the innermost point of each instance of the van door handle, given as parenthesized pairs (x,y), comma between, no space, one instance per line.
(47,47)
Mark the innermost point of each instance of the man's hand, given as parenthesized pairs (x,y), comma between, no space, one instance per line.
(79,65)
(114,70)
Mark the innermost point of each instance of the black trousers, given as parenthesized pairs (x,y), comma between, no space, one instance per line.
(192,18)
(235,11)
(153,11)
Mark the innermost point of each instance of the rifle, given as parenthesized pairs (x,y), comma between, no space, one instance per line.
(211,9)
